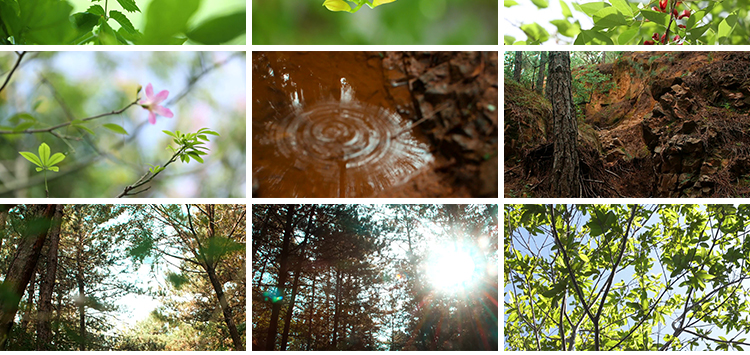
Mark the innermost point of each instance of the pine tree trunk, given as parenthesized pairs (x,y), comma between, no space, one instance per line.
(23,265)
(310,317)
(517,66)
(336,311)
(540,73)
(81,301)
(26,319)
(283,270)
(236,339)
(565,169)
(44,315)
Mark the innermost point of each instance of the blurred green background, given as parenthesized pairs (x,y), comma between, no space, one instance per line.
(208,9)
(443,22)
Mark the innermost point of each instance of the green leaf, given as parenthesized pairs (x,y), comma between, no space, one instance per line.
(590,8)
(609,17)
(206,131)
(535,32)
(219,30)
(56,158)
(133,37)
(170,134)
(509,3)
(508,40)
(115,128)
(23,126)
(584,257)
(542,4)
(13,5)
(44,154)
(593,36)
(129,5)
(96,10)
(167,18)
(655,17)
(196,157)
(566,28)
(31,157)
(106,34)
(42,22)
(84,22)
(622,6)
(122,20)
(565,9)
(84,128)
(53,168)
(627,35)
(337,5)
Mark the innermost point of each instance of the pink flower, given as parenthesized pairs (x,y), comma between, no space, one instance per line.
(151,103)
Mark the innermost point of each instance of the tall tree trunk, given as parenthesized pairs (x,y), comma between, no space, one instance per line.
(24,262)
(565,169)
(81,301)
(295,283)
(517,66)
(336,311)
(311,304)
(236,339)
(540,73)
(44,315)
(26,319)
(283,270)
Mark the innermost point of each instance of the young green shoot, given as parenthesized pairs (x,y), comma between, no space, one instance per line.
(44,162)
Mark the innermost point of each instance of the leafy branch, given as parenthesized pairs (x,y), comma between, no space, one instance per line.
(190,146)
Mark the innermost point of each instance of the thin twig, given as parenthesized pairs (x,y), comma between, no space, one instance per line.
(65,124)
(18,62)
(147,177)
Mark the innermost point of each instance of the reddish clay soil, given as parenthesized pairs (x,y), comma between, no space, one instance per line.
(375,124)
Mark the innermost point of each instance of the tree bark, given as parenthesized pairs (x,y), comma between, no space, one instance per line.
(283,270)
(23,265)
(540,73)
(44,315)
(565,169)
(81,301)
(295,283)
(26,319)
(236,339)
(517,66)
(337,311)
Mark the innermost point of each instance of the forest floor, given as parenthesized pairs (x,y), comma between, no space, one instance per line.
(674,125)
(447,99)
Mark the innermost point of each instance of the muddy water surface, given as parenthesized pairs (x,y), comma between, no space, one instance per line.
(324,125)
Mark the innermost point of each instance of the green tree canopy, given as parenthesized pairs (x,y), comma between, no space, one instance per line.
(626,277)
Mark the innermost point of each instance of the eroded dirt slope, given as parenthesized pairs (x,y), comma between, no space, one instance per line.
(675,125)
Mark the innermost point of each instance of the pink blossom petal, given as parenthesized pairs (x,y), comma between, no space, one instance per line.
(162,111)
(161,96)
(149,91)
(151,117)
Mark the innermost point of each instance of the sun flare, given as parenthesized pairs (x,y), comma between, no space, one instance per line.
(451,267)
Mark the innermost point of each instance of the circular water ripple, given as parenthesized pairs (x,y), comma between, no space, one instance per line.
(344,149)
(339,132)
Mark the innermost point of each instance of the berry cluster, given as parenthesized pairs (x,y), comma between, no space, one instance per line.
(662,38)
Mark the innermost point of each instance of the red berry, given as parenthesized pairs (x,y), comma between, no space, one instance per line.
(684,13)
(649,42)
(663,5)
(681,26)
(674,13)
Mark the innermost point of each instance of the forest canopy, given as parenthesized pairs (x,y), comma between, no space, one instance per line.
(626,277)
(375,277)
(122,277)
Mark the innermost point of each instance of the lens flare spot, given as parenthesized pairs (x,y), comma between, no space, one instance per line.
(451,268)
